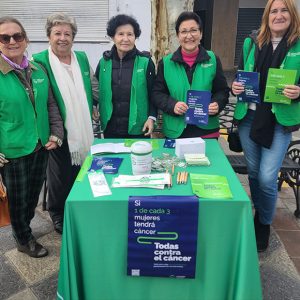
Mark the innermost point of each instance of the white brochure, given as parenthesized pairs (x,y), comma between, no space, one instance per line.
(99,184)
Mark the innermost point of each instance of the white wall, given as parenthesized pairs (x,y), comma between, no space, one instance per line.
(140,9)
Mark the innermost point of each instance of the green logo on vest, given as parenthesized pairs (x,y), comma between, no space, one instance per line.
(293,54)
(206,65)
(39,80)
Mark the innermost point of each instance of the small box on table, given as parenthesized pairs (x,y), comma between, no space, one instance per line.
(189,146)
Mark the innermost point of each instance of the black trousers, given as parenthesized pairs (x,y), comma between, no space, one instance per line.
(24,178)
(60,178)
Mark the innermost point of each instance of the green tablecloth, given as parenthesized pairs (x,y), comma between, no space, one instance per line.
(94,243)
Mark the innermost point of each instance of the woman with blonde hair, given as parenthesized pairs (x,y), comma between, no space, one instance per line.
(266,128)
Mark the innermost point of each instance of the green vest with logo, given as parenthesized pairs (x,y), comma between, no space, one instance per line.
(43,59)
(139,104)
(178,85)
(286,115)
(21,123)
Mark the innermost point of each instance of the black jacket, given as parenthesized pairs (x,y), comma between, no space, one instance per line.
(161,96)
(121,88)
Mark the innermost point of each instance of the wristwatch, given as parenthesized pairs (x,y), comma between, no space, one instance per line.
(57,140)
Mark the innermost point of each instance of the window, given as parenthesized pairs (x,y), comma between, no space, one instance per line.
(91,17)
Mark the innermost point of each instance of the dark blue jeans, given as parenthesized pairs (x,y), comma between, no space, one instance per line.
(263,166)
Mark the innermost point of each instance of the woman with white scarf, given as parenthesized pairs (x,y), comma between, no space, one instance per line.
(71,80)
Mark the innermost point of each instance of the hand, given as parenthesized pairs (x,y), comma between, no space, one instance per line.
(180,108)
(237,88)
(51,145)
(150,125)
(292,91)
(213,108)
(53,142)
(2,160)
(95,114)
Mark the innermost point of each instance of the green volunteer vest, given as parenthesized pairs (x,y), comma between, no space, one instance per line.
(43,59)
(139,104)
(178,85)
(286,115)
(21,126)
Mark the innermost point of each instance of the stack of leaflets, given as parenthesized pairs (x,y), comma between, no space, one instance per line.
(197,159)
(210,186)
(155,181)
(109,148)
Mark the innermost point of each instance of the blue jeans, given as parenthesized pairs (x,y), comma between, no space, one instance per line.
(263,166)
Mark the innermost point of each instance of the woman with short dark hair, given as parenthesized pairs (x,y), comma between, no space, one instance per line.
(190,67)
(125,82)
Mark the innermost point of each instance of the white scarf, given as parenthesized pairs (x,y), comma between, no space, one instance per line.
(78,121)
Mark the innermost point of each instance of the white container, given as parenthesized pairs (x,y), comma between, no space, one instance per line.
(189,146)
(141,158)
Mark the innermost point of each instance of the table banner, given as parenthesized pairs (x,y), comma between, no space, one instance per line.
(162,236)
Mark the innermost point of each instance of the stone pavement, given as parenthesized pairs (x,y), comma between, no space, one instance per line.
(25,278)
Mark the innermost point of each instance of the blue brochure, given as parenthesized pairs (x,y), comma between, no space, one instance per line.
(169,143)
(162,236)
(109,165)
(250,80)
(198,102)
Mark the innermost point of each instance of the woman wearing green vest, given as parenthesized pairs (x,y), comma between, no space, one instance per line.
(265,129)
(71,80)
(30,124)
(190,67)
(125,82)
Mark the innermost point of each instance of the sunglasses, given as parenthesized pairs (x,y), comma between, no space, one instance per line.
(18,37)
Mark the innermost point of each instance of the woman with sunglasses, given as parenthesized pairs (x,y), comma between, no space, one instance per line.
(71,78)
(30,124)
(190,67)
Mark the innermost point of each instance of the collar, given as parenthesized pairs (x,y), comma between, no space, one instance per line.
(5,67)
(113,54)
(201,57)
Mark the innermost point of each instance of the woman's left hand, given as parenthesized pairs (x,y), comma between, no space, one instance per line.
(292,91)
(149,124)
(213,108)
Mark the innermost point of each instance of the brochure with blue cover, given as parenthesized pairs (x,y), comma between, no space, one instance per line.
(250,80)
(198,102)
(162,236)
(109,165)
(169,143)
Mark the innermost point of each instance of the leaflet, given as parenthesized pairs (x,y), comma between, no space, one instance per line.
(109,148)
(250,81)
(157,181)
(98,184)
(198,102)
(276,82)
(109,165)
(210,186)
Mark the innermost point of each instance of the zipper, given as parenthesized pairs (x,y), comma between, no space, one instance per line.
(120,71)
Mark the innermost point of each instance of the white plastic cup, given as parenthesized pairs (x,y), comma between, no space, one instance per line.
(141,158)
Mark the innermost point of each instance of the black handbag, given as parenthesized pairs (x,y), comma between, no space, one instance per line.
(234,140)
